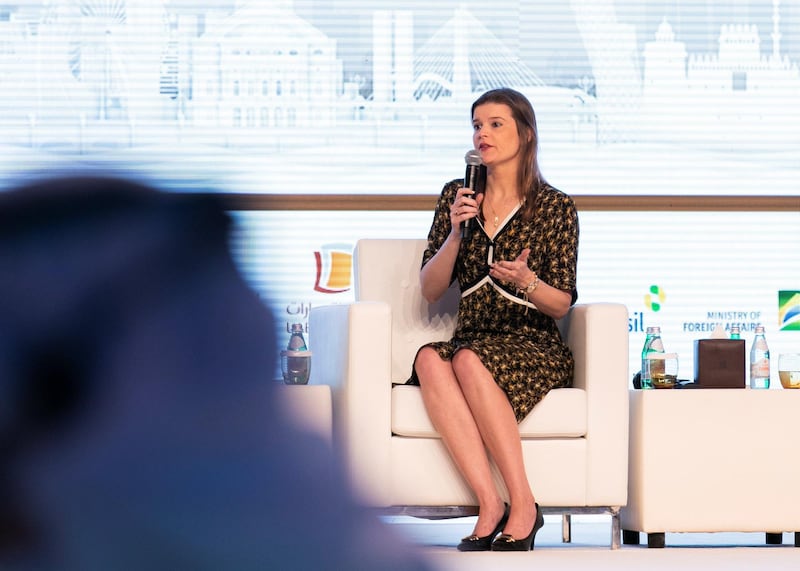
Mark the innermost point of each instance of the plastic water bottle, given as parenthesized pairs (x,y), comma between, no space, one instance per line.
(652,344)
(735,332)
(759,361)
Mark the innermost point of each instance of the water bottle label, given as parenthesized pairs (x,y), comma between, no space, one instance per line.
(759,369)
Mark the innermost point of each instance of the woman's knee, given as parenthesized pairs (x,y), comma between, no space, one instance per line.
(466,363)
(428,363)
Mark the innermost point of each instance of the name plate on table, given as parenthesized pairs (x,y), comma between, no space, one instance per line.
(719,363)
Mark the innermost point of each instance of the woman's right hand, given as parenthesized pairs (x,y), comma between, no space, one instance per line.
(464,207)
(436,275)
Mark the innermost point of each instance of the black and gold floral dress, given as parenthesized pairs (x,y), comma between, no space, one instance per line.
(520,346)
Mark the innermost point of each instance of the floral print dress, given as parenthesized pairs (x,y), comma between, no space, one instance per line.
(520,346)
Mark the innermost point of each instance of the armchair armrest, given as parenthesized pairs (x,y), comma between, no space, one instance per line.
(352,353)
(598,337)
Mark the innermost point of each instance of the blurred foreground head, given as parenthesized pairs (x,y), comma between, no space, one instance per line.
(137,424)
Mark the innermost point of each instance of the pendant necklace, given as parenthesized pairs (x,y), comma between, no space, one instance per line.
(496,220)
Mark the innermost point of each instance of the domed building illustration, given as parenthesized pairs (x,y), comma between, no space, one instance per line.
(264,66)
(720,93)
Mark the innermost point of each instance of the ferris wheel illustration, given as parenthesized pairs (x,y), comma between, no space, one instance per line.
(95,57)
(108,42)
(101,49)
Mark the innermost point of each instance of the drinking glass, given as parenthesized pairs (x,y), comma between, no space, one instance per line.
(663,370)
(789,370)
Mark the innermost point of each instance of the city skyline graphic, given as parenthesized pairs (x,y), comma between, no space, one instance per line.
(682,97)
(159,86)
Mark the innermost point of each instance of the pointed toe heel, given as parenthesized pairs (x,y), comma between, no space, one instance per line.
(506,542)
(475,543)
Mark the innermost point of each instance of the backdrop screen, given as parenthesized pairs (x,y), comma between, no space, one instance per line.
(680,97)
(356,96)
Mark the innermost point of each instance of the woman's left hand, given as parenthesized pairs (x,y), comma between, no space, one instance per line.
(516,272)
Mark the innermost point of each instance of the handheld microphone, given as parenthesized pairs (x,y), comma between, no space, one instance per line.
(473,160)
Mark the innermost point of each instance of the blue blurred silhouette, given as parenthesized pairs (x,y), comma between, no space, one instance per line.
(138,425)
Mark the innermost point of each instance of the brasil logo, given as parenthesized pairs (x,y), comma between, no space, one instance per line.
(789,310)
(655,299)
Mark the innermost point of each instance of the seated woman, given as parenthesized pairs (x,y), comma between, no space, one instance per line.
(517,275)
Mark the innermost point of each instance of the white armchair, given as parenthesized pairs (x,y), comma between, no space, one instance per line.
(575,442)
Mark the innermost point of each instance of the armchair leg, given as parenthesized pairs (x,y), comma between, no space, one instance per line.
(615,528)
(566,520)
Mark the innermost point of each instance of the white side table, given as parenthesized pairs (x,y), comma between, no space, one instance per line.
(310,406)
(707,460)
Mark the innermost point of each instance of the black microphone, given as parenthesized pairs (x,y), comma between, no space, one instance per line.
(473,160)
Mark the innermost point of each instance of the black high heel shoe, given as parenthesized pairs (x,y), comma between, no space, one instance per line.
(475,543)
(506,542)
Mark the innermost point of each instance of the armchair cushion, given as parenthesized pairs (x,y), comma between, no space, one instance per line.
(561,414)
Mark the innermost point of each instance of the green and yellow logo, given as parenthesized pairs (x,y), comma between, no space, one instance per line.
(789,310)
(655,299)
